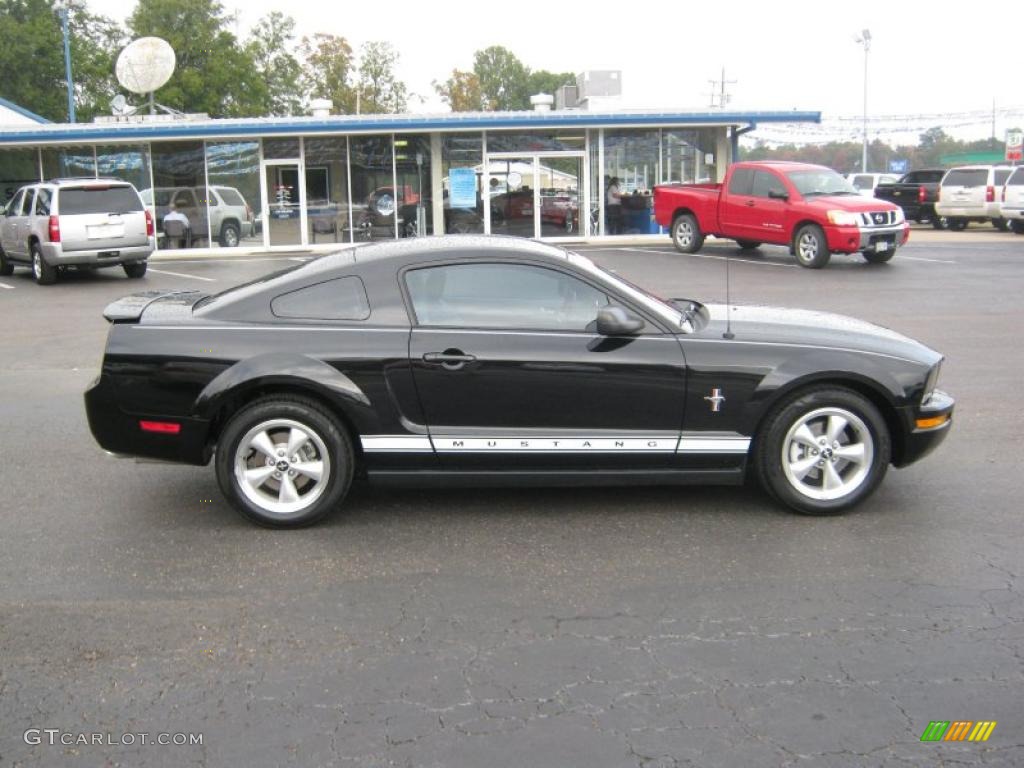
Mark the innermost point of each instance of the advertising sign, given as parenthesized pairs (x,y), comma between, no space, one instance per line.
(462,184)
(1014,145)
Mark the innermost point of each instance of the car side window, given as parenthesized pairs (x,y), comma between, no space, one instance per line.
(765,183)
(507,296)
(864,182)
(14,209)
(42,202)
(343,298)
(741,181)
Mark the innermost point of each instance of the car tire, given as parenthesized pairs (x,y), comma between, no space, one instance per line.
(1001,224)
(45,274)
(874,257)
(135,269)
(6,268)
(813,472)
(810,247)
(956,225)
(230,235)
(748,245)
(939,222)
(301,497)
(686,234)
(1017,225)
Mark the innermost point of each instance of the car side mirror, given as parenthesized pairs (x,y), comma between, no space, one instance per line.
(615,321)
(778,194)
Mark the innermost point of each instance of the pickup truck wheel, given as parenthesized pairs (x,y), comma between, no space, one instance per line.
(822,450)
(748,245)
(956,225)
(284,461)
(44,273)
(939,222)
(136,269)
(1017,225)
(875,257)
(1001,224)
(6,268)
(686,234)
(811,247)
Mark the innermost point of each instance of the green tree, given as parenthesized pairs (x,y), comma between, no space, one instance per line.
(462,92)
(280,72)
(32,58)
(504,79)
(328,71)
(542,81)
(214,74)
(380,91)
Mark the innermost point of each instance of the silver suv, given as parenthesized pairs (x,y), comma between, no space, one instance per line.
(230,216)
(76,222)
(971,193)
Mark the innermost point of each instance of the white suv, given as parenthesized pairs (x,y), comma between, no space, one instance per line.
(971,193)
(1011,206)
(84,223)
(231,217)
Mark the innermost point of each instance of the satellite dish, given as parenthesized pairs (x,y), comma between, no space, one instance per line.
(119,106)
(145,65)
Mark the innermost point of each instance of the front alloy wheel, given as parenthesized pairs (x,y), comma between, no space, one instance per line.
(810,247)
(284,462)
(823,451)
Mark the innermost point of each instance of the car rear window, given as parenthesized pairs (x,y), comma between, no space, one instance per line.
(1001,177)
(966,177)
(230,197)
(1017,179)
(99,200)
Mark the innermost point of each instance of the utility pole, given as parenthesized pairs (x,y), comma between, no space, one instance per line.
(719,85)
(61,6)
(865,39)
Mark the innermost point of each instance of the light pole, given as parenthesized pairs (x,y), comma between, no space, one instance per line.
(865,39)
(62,7)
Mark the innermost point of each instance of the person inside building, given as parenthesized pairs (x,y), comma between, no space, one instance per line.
(177,228)
(613,207)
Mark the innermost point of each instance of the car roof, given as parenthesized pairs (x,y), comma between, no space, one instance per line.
(86,181)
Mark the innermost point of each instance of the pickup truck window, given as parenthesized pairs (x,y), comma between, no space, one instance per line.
(820,182)
(765,183)
(923,177)
(741,182)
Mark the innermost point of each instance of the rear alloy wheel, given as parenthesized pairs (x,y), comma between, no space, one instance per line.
(956,225)
(44,273)
(810,247)
(6,268)
(939,222)
(823,451)
(686,234)
(748,245)
(135,269)
(229,235)
(284,462)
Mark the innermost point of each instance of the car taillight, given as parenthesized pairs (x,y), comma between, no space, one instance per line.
(162,427)
(990,194)
(150,229)
(54,229)
(920,194)
(248,212)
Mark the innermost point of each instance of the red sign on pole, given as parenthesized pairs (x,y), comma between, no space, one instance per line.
(1015,146)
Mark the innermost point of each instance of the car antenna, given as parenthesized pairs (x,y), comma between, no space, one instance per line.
(728,303)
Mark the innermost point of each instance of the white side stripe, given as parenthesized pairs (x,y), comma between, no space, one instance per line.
(532,444)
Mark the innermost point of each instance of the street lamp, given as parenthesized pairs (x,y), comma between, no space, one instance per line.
(865,40)
(62,7)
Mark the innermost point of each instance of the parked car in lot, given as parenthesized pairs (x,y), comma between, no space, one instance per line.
(916,193)
(84,223)
(231,217)
(867,183)
(969,193)
(471,360)
(810,208)
(1011,205)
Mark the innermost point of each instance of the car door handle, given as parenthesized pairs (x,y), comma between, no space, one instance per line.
(451,359)
(750,203)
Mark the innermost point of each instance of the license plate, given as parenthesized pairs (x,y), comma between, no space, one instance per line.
(882,245)
(108,254)
(102,231)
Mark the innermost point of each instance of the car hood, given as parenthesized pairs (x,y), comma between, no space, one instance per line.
(854,204)
(804,327)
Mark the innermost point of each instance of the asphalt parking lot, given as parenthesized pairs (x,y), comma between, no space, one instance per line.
(633,627)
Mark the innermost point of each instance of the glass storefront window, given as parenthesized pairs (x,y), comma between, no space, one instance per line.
(463,207)
(125,162)
(374,209)
(631,156)
(281,149)
(540,141)
(598,183)
(233,171)
(17,167)
(180,183)
(684,156)
(69,163)
(412,172)
(327,214)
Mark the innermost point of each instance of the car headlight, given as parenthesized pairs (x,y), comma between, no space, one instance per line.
(930,382)
(899,216)
(842,218)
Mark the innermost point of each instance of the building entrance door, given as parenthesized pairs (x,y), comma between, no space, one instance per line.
(538,195)
(284,190)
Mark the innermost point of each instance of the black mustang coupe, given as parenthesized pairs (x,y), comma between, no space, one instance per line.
(500,361)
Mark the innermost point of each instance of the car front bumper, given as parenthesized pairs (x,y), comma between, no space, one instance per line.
(925,427)
(56,256)
(854,239)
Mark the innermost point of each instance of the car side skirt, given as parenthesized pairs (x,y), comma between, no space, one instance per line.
(553,478)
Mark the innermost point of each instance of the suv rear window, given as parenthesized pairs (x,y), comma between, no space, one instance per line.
(966,177)
(1000,177)
(99,200)
(230,197)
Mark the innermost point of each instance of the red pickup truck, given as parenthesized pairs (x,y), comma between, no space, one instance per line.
(810,208)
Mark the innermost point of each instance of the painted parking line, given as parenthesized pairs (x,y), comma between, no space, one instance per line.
(710,256)
(922,258)
(8,287)
(181,274)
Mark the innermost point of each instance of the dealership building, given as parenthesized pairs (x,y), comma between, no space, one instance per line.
(314,181)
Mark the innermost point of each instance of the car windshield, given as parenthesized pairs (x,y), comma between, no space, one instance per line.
(646,299)
(820,181)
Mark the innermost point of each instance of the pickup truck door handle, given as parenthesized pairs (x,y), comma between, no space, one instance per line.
(750,203)
(450,359)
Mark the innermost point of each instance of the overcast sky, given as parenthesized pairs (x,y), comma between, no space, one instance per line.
(924,59)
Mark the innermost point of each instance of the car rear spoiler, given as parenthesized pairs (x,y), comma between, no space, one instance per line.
(130,308)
